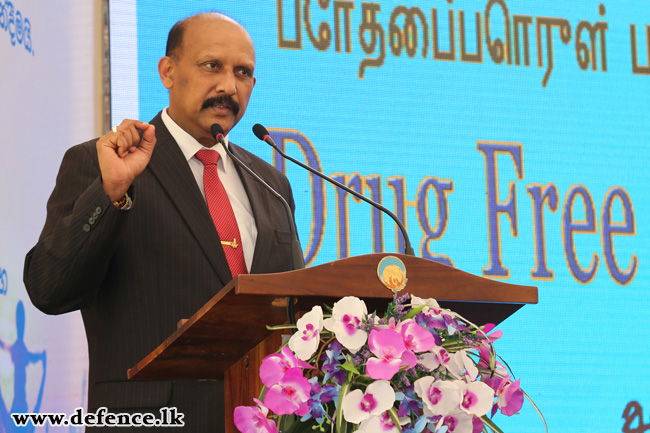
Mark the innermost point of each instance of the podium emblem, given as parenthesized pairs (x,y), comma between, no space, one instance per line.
(392,273)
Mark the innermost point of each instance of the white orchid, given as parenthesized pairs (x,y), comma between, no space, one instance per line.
(347,316)
(305,340)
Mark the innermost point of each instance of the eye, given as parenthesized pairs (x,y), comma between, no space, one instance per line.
(246,72)
(211,65)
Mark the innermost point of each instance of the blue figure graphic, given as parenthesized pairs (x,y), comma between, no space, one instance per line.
(4,283)
(21,357)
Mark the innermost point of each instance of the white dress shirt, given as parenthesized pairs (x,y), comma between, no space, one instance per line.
(229,177)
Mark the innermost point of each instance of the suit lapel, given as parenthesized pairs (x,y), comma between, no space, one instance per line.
(169,166)
(259,198)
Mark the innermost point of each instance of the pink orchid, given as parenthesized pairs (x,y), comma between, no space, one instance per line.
(478,425)
(484,345)
(392,324)
(496,381)
(252,419)
(510,397)
(494,336)
(440,397)
(347,317)
(491,336)
(359,406)
(477,397)
(305,341)
(416,338)
(290,394)
(390,351)
(276,365)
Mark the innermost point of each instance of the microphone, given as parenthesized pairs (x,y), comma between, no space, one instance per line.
(298,261)
(217,133)
(261,133)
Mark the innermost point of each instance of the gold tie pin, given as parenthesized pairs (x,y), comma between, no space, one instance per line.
(232,244)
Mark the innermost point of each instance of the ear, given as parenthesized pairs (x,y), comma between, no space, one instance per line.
(166,71)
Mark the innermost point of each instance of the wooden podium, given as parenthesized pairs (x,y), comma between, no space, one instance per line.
(227,338)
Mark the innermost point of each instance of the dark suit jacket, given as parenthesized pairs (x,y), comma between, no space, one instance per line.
(134,274)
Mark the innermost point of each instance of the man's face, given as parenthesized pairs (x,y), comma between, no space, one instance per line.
(209,76)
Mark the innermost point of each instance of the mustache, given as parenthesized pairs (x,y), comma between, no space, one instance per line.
(225,100)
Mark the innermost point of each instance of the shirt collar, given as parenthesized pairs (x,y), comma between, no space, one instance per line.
(188,144)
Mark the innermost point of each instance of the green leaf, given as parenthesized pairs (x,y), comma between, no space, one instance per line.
(338,418)
(493,361)
(349,367)
(414,312)
(262,393)
(393,415)
(276,327)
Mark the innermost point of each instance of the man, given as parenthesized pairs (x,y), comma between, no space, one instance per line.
(129,239)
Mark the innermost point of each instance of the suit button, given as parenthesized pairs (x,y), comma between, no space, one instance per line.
(98,210)
(86,228)
(92,220)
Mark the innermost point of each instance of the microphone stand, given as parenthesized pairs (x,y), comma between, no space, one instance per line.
(262,134)
(298,261)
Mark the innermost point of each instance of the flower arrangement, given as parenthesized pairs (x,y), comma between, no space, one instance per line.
(418,368)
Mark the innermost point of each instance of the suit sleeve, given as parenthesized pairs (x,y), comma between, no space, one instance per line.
(65,269)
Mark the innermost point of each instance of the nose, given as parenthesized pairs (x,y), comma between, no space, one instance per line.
(227,83)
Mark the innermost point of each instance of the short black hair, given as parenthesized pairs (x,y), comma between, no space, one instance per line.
(175,37)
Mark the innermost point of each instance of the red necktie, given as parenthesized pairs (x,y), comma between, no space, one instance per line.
(221,212)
